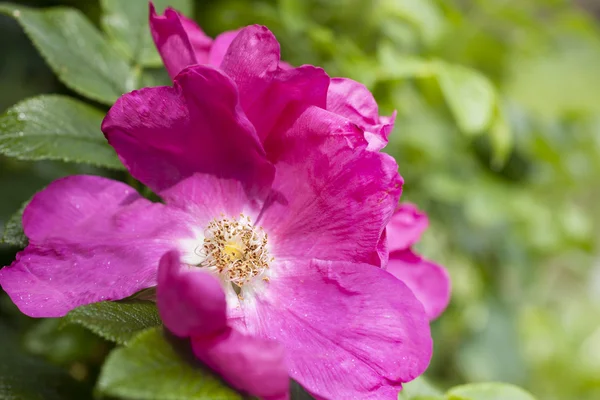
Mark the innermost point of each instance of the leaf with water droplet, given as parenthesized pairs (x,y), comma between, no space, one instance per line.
(53,127)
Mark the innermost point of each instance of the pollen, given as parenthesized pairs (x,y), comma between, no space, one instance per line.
(235,249)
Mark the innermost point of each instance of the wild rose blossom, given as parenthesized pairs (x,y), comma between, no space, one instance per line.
(297,234)
(427,280)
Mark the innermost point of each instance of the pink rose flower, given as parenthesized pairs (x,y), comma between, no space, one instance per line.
(293,234)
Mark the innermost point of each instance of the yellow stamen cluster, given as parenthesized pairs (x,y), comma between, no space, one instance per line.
(236,249)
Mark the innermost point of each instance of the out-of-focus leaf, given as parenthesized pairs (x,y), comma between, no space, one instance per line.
(501,138)
(395,65)
(55,127)
(493,353)
(23,377)
(423,14)
(420,389)
(155,77)
(150,368)
(298,392)
(469,94)
(77,52)
(488,391)
(63,345)
(126,22)
(13,230)
(116,321)
(555,84)
(294,16)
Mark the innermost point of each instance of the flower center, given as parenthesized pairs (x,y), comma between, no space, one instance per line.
(235,249)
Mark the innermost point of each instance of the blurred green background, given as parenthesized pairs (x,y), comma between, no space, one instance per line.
(497,137)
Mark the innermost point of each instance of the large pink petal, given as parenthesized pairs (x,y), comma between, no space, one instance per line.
(250,364)
(406,227)
(270,95)
(220,47)
(90,239)
(164,134)
(428,281)
(355,102)
(332,197)
(180,42)
(190,301)
(350,331)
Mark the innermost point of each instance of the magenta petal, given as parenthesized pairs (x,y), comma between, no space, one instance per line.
(271,95)
(200,42)
(190,301)
(177,40)
(428,281)
(350,331)
(206,196)
(406,227)
(90,239)
(220,47)
(336,205)
(164,134)
(355,102)
(250,60)
(252,365)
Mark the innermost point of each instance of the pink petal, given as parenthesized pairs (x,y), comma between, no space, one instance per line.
(355,102)
(332,197)
(190,301)
(207,196)
(428,281)
(201,43)
(270,95)
(90,239)
(164,134)
(252,365)
(220,47)
(406,227)
(350,331)
(180,42)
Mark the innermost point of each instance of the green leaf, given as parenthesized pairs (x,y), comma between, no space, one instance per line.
(116,321)
(488,391)
(63,345)
(297,392)
(424,15)
(152,77)
(396,65)
(126,23)
(53,127)
(23,377)
(420,389)
(13,230)
(150,368)
(501,139)
(469,94)
(77,52)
